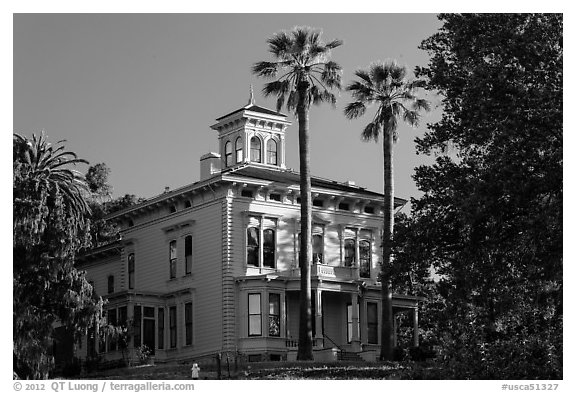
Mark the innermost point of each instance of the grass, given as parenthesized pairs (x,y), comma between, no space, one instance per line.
(279,371)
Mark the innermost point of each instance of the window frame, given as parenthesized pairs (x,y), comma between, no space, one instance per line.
(173,325)
(188,250)
(173,259)
(228,154)
(161,327)
(239,157)
(253,249)
(352,262)
(362,261)
(110,285)
(131,270)
(370,323)
(274,317)
(266,248)
(256,315)
(255,149)
(272,152)
(188,321)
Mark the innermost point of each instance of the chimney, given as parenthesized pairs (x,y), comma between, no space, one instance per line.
(209,165)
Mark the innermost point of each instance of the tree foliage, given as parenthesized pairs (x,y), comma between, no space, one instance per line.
(50,227)
(489,223)
(303,75)
(386,86)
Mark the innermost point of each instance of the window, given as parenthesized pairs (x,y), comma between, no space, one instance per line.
(247,193)
(372,311)
(188,322)
(317,249)
(131,271)
(254,315)
(365,258)
(349,252)
(275,197)
(112,321)
(137,326)
(172,316)
(110,284)
(271,150)
(253,246)
(369,209)
(343,206)
(274,315)
(228,154)
(160,328)
(172,209)
(188,255)
(239,150)
(318,202)
(173,258)
(187,204)
(255,149)
(269,248)
(130,223)
(349,323)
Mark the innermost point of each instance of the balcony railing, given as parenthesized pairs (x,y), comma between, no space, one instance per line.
(326,271)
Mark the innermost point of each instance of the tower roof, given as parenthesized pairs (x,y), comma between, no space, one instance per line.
(253,108)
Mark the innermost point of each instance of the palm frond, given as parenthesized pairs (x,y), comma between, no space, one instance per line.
(371,132)
(266,69)
(355,109)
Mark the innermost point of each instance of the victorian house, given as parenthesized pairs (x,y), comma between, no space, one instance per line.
(212,267)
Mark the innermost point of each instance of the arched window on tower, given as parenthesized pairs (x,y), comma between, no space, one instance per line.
(271,152)
(228,153)
(239,150)
(255,149)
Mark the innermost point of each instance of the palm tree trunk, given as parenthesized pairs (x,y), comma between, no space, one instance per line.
(305,330)
(387,333)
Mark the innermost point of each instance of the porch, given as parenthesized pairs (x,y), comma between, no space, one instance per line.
(346,317)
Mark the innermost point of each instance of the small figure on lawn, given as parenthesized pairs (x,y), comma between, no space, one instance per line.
(195,371)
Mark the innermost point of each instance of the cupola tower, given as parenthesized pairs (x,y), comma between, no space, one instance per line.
(252,134)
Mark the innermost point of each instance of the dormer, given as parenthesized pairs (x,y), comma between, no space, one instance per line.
(252,134)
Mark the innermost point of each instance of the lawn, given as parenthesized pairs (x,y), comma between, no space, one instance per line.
(278,371)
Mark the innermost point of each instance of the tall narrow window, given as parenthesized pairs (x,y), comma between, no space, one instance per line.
(269,248)
(172,317)
(160,328)
(114,322)
(110,284)
(173,258)
(274,315)
(254,315)
(255,149)
(137,326)
(317,249)
(239,150)
(365,258)
(253,246)
(271,152)
(349,323)
(188,254)
(228,153)
(372,311)
(188,322)
(131,263)
(131,271)
(349,252)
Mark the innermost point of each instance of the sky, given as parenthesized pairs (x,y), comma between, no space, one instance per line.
(140,91)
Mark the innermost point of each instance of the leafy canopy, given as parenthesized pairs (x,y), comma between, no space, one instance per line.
(301,61)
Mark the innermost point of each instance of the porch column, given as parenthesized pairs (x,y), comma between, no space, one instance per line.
(415,325)
(319,333)
(355,325)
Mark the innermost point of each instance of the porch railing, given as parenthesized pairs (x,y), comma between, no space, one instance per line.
(291,343)
(320,270)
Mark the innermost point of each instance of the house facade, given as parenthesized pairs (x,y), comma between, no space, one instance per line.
(212,267)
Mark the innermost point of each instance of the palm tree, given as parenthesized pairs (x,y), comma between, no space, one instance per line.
(303,75)
(385,85)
